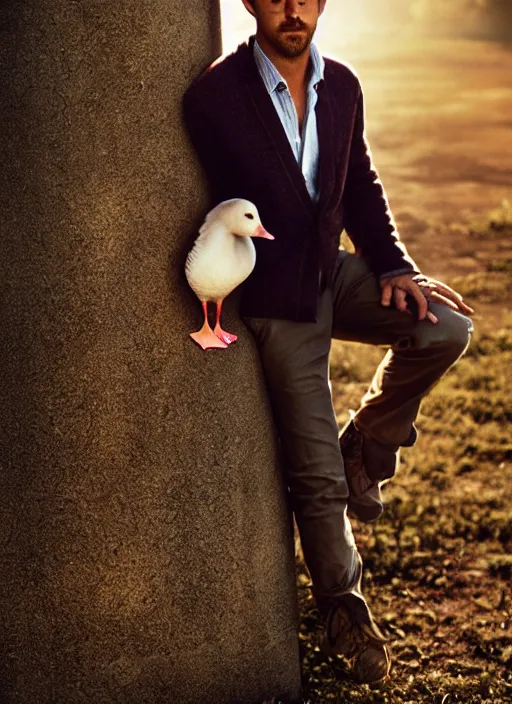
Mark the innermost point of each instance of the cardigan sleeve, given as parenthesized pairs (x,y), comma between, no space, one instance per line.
(368,219)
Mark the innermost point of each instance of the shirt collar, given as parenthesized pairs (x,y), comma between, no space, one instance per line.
(271,76)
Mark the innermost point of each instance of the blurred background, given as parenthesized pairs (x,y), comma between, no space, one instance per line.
(437,81)
(485,19)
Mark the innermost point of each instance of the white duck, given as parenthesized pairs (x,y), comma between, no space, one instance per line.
(222,257)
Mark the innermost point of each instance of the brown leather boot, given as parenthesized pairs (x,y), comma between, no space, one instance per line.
(365,462)
(352,632)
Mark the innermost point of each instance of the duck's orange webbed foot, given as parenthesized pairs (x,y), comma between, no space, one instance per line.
(206,338)
(227,337)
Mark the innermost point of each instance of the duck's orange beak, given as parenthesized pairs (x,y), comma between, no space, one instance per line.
(261,232)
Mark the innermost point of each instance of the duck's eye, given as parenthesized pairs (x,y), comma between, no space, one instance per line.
(250,216)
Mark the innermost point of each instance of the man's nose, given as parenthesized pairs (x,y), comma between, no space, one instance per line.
(292,8)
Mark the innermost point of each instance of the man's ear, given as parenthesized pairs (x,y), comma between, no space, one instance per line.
(249,6)
(322,6)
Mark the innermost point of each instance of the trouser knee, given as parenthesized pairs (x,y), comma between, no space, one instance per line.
(449,338)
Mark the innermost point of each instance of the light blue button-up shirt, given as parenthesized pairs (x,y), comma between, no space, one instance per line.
(305,147)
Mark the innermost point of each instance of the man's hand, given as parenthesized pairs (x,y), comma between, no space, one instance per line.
(422,289)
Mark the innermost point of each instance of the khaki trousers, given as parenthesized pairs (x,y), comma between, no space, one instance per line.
(295,363)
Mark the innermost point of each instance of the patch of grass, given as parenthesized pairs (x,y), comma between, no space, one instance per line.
(498,223)
(491,241)
(501,265)
(353,362)
(484,287)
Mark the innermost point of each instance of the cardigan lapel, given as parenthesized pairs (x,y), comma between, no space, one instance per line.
(264,108)
(326,167)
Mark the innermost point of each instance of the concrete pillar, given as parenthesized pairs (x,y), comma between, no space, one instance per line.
(145,548)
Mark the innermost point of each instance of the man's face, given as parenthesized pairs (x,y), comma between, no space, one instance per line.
(286,25)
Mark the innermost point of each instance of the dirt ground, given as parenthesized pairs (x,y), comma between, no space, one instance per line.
(438,563)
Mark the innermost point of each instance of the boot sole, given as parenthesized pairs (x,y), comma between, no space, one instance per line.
(374,657)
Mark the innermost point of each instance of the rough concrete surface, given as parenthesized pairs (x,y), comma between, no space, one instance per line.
(145,548)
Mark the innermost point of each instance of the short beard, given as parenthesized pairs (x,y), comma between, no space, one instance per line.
(288,48)
(282,43)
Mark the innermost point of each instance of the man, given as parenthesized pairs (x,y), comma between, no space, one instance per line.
(281,126)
